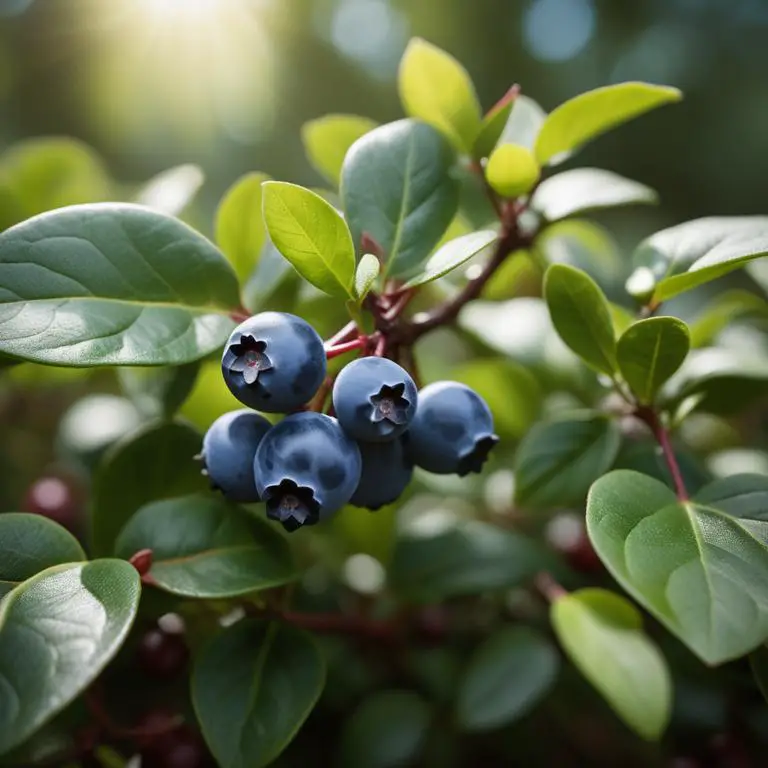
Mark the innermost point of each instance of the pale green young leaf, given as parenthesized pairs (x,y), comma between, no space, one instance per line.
(365,275)
(452,255)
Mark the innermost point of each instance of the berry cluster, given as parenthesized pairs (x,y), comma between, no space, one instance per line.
(309,465)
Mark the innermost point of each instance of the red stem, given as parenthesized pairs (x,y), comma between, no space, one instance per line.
(651,418)
(346,333)
(240,315)
(381,346)
(548,587)
(340,349)
(396,309)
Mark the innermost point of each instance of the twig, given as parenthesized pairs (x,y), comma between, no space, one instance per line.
(548,587)
(346,333)
(348,346)
(649,416)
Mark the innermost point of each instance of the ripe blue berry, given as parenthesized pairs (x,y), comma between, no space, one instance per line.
(228,450)
(452,432)
(274,362)
(306,469)
(374,399)
(386,474)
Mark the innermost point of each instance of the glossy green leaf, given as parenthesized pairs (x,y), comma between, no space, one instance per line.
(253,687)
(172,191)
(524,123)
(650,351)
(366,274)
(493,124)
(452,255)
(587,189)
(742,495)
(158,392)
(465,559)
(156,462)
(602,633)
(30,544)
(580,314)
(312,236)
(397,187)
(725,308)
(387,730)
(557,461)
(240,229)
(436,88)
(58,630)
(327,140)
(699,570)
(112,284)
(683,257)
(587,116)
(224,552)
(506,678)
(758,661)
(274,281)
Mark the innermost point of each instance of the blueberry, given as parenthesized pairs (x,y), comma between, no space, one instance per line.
(374,399)
(274,362)
(452,432)
(228,450)
(306,469)
(386,474)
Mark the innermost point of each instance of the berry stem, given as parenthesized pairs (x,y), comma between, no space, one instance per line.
(651,418)
(345,334)
(396,309)
(381,346)
(548,587)
(240,315)
(340,349)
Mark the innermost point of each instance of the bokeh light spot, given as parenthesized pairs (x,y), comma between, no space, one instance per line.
(558,30)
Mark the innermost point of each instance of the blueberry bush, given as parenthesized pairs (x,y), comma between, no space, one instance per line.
(461,486)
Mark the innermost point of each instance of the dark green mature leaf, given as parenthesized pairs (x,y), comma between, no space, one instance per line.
(327,140)
(396,186)
(758,661)
(58,630)
(30,544)
(699,570)
(524,123)
(240,229)
(366,273)
(468,558)
(557,461)
(580,314)
(158,392)
(252,688)
(387,730)
(650,351)
(156,462)
(603,635)
(436,88)
(493,125)
(587,189)
(224,551)
(585,117)
(172,191)
(683,257)
(312,235)
(452,255)
(506,678)
(744,495)
(112,284)
(273,277)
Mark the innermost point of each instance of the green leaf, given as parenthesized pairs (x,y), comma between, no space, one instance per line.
(602,633)
(683,257)
(580,314)
(30,544)
(726,308)
(493,125)
(557,461)
(452,255)
(253,687)
(587,189)
(699,570)
(524,123)
(224,551)
(437,89)
(158,392)
(42,174)
(512,170)
(464,559)
(743,495)
(240,229)
(397,187)
(587,116)
(172,191)
(58,630)
(758,661)
(327,140)
(155,463)
(365,276)
(506,678)
(312,235)
(387,730)
(271,280)
(112,284)
(650,351)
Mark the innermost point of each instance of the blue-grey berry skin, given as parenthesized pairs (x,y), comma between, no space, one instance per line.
(386,474)
(452,432)
(374,399)
(229,447)
(306,469)
(274,362)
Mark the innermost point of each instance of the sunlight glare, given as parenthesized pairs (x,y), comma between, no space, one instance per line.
(176,8)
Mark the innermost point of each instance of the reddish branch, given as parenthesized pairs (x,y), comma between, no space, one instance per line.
(651,418)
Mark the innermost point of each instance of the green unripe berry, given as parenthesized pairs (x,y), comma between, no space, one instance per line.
(512,170)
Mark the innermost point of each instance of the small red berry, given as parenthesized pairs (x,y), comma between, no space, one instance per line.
(162,655)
